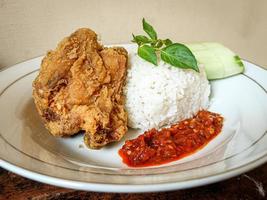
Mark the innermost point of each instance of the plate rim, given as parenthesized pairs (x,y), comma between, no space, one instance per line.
(131,187)
(122,188)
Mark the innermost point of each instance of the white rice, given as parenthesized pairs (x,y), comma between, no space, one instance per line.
(162,95)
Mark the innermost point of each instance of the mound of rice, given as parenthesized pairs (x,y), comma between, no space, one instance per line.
(162,95)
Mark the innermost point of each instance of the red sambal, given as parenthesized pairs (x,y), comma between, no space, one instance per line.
(156,147)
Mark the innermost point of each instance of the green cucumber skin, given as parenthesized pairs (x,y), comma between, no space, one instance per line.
(219,61)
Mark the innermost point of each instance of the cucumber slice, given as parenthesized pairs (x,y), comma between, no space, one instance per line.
(219,61)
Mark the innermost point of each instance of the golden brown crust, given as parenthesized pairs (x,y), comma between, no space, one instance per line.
(80,88)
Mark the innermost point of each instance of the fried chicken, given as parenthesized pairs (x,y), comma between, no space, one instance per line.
(80,89)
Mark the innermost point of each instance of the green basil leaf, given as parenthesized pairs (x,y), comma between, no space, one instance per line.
(148,53)
(159,44)
(141,39)
(153,43)
(149,30)
(179,55)
(167,42)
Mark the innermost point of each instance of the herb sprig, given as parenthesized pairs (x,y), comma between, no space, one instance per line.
(150,47)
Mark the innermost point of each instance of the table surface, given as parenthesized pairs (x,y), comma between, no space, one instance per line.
(251,185)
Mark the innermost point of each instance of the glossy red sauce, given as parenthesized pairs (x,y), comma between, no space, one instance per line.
(155,147)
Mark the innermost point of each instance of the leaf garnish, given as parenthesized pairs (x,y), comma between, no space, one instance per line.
(175,54)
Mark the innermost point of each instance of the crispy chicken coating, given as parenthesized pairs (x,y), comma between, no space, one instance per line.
(80,89)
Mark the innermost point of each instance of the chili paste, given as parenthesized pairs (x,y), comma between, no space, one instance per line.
(155,147)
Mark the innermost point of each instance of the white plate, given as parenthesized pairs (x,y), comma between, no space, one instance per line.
(26,148)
